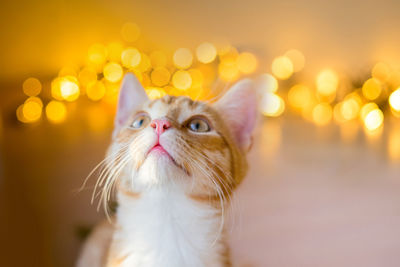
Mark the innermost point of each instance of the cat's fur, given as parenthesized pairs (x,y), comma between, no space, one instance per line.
(171,205)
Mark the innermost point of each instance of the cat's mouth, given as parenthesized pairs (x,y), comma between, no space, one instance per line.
(160,150)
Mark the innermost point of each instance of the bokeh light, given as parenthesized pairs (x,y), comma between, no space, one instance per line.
(327,83)
(113,72)
(393,146)
(349,109)
(267,83)
(86,76)
(282,67)
(154,92)
(182,80)
(69,88)
(130,57)
(96,90)
(247,62)
(34,99)
(228,71)
(322,114)
(372,89)
(32,87)
(300,96)
(272,105)
(97,55)
(183,58)
(373,120)
(56,111)
(206,52)
(32,111)
(394,100)
(297,58)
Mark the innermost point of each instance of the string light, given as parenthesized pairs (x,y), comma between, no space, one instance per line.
(100,76)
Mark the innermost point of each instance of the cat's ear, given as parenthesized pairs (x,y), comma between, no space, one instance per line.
(239,108)
(131,96)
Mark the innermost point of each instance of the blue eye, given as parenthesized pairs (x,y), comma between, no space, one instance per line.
(140,121)
(199,125)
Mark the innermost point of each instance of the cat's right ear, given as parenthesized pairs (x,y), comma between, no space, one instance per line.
(131,96)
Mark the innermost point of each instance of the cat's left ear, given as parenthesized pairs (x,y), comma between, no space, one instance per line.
(131,96)
(239,108)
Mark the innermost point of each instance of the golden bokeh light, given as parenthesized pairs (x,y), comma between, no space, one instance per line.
(113,72)
(228,71)
(182,80)
(282,67)
(322,114)
(272,105)
(130,32)
(183,58)
(20,114)
(69,88)
(381,71)
(327,83)
(130,57)
(394,100)
(267,83)
(86,76)
(300,96)
(155,92)
(366,109)
(145,63)
(350,109)
(115,51)
(158,59)
(373,120)
(32,87)
(32,111)
(372,89)
(56,111)
(97,54)
(34,99)
(96,90)
(297,58)
(206,53)
(247,62)
(160,76)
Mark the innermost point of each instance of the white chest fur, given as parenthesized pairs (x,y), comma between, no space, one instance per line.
(166,228)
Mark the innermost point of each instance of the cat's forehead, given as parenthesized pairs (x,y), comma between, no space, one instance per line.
(178,108)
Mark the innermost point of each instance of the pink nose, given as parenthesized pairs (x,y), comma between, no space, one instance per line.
(160,125)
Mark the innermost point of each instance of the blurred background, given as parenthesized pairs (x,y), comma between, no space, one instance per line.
(323,188)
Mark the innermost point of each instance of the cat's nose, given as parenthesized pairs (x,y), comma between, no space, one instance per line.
(160,125)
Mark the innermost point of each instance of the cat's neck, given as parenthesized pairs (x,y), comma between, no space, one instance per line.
(164,223)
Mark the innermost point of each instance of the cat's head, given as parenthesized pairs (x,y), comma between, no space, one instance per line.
(194,145)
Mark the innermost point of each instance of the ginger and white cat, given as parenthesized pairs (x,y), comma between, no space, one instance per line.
(174,163)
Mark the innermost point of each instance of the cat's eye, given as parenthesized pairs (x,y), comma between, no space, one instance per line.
(199,125)
(140,121)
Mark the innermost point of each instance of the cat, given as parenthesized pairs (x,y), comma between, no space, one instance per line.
(174,163)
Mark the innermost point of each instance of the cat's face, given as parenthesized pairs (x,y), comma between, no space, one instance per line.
(177,141)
